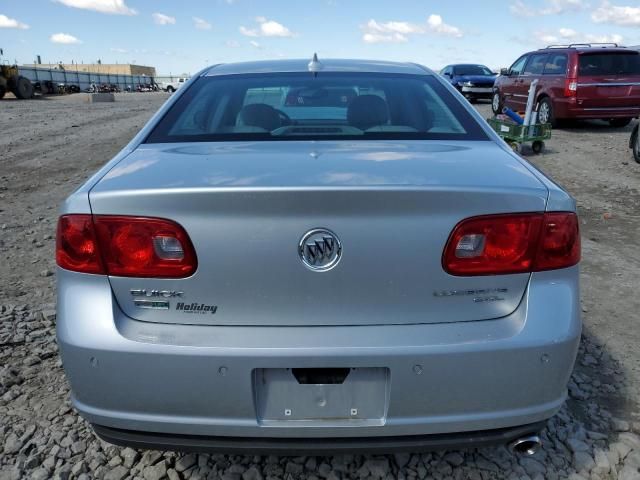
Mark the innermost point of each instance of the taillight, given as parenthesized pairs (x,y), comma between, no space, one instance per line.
(131,246)
(513,243)
(570,87)
(559,244)
(76,245)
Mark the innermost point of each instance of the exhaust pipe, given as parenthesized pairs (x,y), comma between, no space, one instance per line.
(528,445)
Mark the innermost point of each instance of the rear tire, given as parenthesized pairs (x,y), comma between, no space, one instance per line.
(3,90)
(496,103)
(23,88)
(170,89)
(545,112)
(619,122)
(635,144)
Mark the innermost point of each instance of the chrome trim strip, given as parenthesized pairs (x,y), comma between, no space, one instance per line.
(612,84)
(607,109)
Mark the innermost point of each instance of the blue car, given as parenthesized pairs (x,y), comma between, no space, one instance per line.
(473,81)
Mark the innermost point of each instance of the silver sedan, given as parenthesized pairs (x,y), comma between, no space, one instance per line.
(317,257)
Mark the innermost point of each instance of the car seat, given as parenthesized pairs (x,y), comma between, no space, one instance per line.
(366,111)
(259,115)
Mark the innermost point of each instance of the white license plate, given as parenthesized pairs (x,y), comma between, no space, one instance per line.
(281,398)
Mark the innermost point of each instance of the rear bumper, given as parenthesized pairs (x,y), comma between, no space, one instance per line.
(314,446)
(446,378)
(571,108)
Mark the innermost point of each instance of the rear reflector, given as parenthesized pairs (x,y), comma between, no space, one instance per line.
(125,246)
(513,243)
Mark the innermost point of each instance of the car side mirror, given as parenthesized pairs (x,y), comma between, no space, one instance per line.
(504,71)
(447,74)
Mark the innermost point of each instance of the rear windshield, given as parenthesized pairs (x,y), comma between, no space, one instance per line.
(471,70)
(328,106)
(609,63)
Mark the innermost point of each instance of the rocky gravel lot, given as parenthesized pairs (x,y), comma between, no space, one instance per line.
(49,146)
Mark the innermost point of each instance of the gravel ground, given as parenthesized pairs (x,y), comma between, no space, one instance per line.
(50,146)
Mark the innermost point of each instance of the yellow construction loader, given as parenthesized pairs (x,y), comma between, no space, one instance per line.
(12,81)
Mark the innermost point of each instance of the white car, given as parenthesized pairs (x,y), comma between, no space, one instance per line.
(173,86)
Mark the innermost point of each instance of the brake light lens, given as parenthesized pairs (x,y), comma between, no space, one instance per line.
(559,244)
(570,87)
(514,243)
(130,246)
(76,245)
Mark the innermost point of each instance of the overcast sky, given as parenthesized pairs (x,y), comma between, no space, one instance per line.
(177,36)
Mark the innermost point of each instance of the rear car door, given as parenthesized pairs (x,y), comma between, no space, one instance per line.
(609,79)
(509,85)
(554,75)
(533,70)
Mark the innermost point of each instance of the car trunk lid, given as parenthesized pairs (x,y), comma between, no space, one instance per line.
(246,206)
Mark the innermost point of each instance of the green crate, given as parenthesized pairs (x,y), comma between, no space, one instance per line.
(513,132)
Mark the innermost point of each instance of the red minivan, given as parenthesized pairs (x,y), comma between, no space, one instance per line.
(586,81)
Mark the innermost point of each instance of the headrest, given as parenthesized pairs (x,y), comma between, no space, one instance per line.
(259,115)
(366,111)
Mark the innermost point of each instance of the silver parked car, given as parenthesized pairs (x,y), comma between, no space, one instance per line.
(317,257)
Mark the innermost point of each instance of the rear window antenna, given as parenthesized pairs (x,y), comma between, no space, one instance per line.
(314,65)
